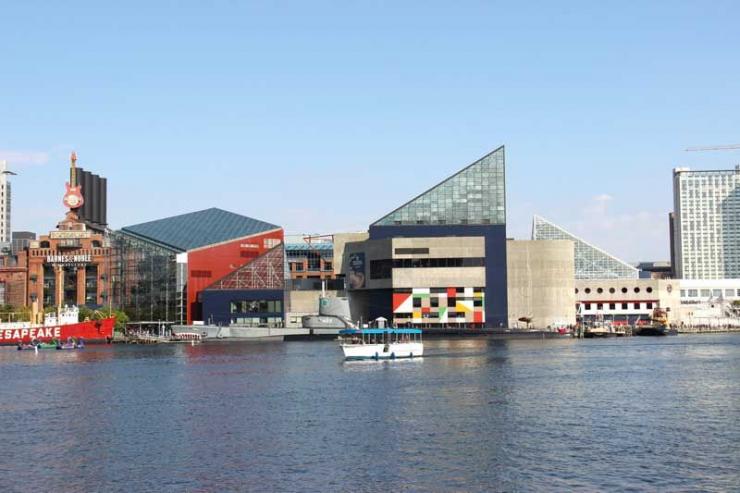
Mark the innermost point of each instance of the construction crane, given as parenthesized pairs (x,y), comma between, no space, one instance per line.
(731,147)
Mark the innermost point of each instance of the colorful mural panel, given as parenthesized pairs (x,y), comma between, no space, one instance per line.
(440,306)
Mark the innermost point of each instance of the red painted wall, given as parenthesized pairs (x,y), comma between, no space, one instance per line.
(208,264)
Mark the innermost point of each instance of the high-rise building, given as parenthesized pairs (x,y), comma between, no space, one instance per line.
(706,229)
(5,196)
(591,262)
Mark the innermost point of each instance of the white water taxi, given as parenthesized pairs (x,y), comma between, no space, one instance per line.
(381,343)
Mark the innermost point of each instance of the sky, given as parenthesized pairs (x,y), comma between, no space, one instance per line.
(324,116)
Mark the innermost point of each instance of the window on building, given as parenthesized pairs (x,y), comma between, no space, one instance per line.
(717,293)
(587,306)
(706,293)
(624,306)
(599,306)
(693,293)
(624,290)
(612,306)
(683,293)
(328,265)
(296,266)
(588,290)
(637,290)
(599,290)
(381,269)
(649,289)
(729,292)
(637,306)
(612,290)
(417,302)
(649,305)
(411,251)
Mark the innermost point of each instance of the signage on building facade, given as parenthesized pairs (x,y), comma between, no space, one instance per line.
(68,235)
(69,259)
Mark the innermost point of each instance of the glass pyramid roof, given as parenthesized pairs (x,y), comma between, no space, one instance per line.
(474,195)
(590,262)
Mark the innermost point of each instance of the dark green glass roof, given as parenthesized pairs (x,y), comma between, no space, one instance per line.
(197,229)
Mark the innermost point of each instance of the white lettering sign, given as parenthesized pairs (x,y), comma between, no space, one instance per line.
(69,259)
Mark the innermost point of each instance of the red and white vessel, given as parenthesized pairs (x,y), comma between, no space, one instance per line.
(60,327)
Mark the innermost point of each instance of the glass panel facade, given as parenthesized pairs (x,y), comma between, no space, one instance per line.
(144,281)
(475,195)
(590,261)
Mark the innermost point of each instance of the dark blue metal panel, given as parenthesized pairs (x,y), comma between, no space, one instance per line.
(216,303)
(495,238)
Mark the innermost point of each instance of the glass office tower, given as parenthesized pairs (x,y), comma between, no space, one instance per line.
(706,223)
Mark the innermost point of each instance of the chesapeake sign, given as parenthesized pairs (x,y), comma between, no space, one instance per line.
(69,259)
(33,333)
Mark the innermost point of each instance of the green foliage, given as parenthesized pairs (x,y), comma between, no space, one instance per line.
(16,314)
(120,315)
(736,303)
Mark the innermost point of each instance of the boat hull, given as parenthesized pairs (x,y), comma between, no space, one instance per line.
(650,330)
(382,351)
(91,331)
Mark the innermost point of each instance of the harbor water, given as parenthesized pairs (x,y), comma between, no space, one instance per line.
(475,414)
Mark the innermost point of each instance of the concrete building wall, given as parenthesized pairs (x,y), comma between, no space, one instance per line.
(301,303)
(446,247)
(628,298)
(340,241)
(541,282)
(356,260)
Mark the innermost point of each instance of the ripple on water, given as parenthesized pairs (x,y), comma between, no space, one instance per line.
(472,415)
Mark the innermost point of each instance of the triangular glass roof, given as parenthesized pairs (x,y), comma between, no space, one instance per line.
(590,262)
(197,229)
(264,272)
(474,195)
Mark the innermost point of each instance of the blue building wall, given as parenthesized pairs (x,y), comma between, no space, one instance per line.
(495,239)
(217,303)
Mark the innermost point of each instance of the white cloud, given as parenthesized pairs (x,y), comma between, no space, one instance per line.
(631,235)
(23,158)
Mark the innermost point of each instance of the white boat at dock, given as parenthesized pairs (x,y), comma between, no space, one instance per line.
(377,344)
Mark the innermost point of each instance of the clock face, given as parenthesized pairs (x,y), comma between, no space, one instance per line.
(72,200)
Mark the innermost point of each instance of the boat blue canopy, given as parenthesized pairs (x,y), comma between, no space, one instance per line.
(379,331)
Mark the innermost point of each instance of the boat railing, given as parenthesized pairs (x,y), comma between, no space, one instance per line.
(380,336)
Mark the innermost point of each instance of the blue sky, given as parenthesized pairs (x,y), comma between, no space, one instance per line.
(324,116)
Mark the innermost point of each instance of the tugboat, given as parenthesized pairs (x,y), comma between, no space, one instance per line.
(658,325)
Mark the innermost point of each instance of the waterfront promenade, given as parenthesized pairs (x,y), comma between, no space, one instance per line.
(475,414)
